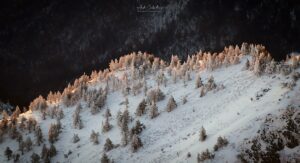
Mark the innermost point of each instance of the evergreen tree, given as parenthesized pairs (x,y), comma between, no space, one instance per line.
(136,143)
(35,158)
(94,137)
(202,134)
(198,82)
(14,133)
(125,120)
(60,114)
(106,126)
(75,138)
(44,153)
(205,155)
(39,135)
(257,67)
(16,113)
(52,151)
(119,118)
(221,142)
(171,104)
(8,153)
(153,110)
(210,84)
(108,145)
(16,157)
(202,92)
(247,65)
(137,129)
(77,123)
(28,143)
(22,146)
(53,133)
(184,100)
(141,109)
(124,139)
(104,158)
(107,113)
(20,138)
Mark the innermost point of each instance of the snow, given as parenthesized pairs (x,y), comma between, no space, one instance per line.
(228,112)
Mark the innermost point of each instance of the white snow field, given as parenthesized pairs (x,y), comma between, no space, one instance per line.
(227,112)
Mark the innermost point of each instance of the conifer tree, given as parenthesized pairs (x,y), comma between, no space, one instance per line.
(137,129)
(136,143)
(153,110)
(184,100)
(171,104)
(16,157)
(13,131)
(20,138)
(60,114)
(107,113)
(22,146)
(257,67)
(106,126)
(53,133)
(202,92)
(16,113)
(94,137)
(39,135)
(210,84)
(28,144)
(202,134)
(119,118)
(77,123)
(221,142)
(52,150)
(198,82)
(141,109)
(35,158)
(108,145)
(8,153)
(205,155)
(247,65)
(75,138)
(44,152)
(125,137)
(104,158)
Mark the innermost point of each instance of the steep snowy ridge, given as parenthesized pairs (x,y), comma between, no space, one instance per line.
(236,109)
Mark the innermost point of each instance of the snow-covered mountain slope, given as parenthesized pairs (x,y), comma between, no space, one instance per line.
(236,109)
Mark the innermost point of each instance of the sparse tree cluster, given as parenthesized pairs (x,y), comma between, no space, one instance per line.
(96,99)
(38,104)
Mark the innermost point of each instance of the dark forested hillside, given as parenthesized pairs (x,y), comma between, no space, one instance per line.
(44,44)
